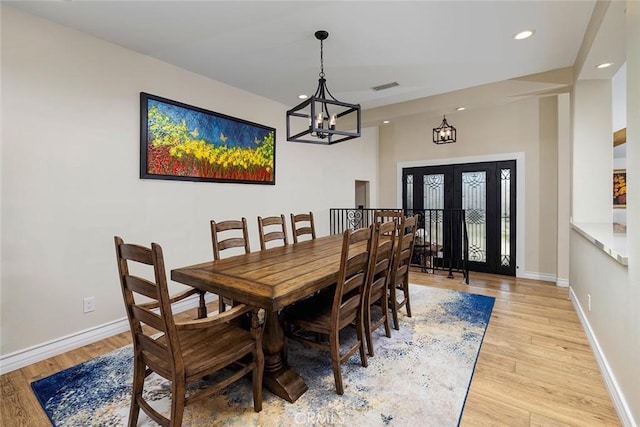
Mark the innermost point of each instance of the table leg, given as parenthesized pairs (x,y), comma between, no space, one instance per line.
(279,378)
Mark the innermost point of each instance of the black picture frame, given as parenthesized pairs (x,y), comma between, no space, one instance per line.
(187,143)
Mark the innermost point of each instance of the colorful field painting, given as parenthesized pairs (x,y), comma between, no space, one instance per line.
(182,142)
(620,188)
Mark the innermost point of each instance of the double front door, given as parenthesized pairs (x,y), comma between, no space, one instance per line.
(487,193)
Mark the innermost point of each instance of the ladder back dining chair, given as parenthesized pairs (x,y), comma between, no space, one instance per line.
(388,215)
(225,236)
(317,321)
(376,289)
(182,351)
(272,229)
(399,277)
(302,225)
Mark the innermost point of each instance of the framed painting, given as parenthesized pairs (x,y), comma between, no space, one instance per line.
(183,142)
(620,188)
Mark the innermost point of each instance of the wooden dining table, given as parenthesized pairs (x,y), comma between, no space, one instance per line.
(271,279)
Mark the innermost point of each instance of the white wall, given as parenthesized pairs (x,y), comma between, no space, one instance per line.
(619,98)
(592,152)
(614,319)
(564,187)
(612,322)
(70,165)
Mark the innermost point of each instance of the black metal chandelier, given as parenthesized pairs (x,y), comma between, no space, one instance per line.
(321,118)
(445,133)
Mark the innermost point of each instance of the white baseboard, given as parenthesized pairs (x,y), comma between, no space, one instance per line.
(545,277)
(619,402)
(534,275)
(27,356)
(21,358)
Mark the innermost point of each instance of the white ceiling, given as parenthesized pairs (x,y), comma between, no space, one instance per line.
(268,47)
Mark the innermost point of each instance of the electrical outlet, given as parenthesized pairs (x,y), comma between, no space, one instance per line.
(89,304)
(589,301)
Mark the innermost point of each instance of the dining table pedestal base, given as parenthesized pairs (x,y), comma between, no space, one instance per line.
(285,383)
(279,378)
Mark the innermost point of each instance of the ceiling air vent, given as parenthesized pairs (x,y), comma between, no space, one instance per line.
(385,86)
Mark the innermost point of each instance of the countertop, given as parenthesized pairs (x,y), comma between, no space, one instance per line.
(602,235)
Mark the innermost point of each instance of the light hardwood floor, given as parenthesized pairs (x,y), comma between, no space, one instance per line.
(535,367)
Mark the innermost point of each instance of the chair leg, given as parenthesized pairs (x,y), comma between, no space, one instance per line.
(360,333)
(335,362)
(406,297)
(367,328)
(136,392)
(177,403)
(385,312)
(202,306)
(258,361)
(221,306)
(258,371)
(393,302)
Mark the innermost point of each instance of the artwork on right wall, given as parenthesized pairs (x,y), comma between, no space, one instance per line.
(619,181)
(620,188)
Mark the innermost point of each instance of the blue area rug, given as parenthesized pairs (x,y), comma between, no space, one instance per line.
(419,376)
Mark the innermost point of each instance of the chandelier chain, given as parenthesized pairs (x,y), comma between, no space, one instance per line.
(321,59)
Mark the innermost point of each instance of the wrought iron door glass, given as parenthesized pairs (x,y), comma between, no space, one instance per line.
(474,202)
(409,193)
(433,198)
(505,217)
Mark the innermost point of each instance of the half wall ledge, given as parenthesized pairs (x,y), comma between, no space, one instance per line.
(605,238)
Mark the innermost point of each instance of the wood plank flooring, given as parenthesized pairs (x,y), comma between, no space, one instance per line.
(535,367)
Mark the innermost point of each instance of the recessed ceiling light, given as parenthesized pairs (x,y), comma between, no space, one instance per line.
(524,34)
(303,96)
(604,65)
(386,122)
(459,108)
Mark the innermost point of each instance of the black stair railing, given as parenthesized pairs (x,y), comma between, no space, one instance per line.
(352,218)
(441,243)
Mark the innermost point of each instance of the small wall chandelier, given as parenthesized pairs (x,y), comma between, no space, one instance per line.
(445,133)
(321,118)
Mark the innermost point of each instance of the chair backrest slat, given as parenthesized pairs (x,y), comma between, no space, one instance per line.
(349,310)
(142,286)
(234,242)
(136,253)
(148,317)
(149,345)
(354,282)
